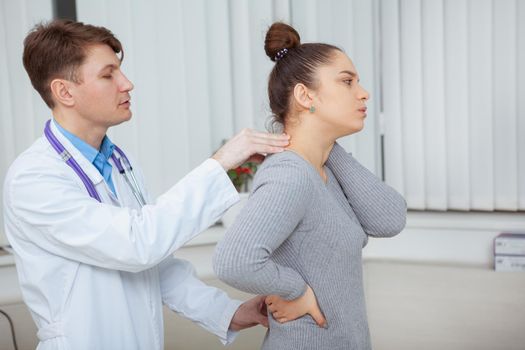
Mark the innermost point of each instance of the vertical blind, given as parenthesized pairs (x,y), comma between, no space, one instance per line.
(453,74)
(199,69)
(22,111)
(447,76)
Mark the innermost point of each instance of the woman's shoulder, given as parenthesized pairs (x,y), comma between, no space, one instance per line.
(284,168)
(287,161)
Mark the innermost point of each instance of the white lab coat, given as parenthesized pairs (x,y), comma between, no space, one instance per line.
(94,275)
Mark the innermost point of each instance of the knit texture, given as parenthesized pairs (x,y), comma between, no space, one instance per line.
(296,230)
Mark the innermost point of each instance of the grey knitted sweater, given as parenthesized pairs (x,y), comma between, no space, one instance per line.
(296,230)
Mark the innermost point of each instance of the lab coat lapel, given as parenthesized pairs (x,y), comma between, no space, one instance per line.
(88,168)
(124,197)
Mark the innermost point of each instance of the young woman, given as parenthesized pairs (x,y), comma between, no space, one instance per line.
(300,236)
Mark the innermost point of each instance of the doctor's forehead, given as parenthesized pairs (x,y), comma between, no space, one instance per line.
(98,57)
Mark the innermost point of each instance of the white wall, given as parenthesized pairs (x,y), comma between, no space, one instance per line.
(454,104)
(199,70)
(421,292)
(191,95)
(22,111)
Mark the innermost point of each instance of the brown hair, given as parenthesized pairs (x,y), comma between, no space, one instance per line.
(56,50)
(297,64)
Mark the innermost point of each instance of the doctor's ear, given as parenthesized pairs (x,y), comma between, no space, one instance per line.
(303,97)
(60,89)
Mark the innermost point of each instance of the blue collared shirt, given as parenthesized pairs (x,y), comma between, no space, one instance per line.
(100,159)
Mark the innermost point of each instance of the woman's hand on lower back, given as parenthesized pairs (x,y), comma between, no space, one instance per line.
(288,310)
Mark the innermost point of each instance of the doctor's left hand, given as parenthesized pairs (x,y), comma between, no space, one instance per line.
(249,143)
(250,313)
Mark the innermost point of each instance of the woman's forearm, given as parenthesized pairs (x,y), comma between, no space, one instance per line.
(381,210)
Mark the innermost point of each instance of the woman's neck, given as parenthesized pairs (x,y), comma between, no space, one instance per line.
(312,144)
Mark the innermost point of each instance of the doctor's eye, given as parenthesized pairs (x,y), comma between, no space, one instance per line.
(348,81)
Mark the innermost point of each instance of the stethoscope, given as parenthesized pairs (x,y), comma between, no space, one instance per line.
(124,170)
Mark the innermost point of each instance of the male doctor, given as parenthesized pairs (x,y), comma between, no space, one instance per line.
(94,262)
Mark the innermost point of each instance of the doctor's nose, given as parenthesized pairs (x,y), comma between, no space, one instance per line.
(126,84)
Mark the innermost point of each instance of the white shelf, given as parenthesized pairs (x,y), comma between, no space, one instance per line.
(449,238)
(6,260)
(461,238)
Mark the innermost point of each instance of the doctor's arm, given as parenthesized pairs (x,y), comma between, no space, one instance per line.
(50,209)
(209,307)
(381,210)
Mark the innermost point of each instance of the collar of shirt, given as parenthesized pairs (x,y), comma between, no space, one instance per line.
(99,158)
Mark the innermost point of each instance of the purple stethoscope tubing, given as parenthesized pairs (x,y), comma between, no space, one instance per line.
(135,186)
(69,160)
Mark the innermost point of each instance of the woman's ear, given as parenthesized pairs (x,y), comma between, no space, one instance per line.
(60,90)
(303,97)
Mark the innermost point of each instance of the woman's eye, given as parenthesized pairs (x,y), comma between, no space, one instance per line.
(106,76)
(348,82)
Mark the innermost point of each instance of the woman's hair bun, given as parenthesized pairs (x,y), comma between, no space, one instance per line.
(280,36)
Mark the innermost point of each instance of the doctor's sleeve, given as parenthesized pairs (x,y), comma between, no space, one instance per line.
(48,207)
(184,293)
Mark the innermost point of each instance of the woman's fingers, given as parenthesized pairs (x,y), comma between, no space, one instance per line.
(284,310)
(318,317)
(270,299)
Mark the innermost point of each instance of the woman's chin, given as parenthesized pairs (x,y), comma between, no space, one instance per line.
(359,126)
(352,129)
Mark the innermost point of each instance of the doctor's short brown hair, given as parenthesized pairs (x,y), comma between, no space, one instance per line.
(56,50)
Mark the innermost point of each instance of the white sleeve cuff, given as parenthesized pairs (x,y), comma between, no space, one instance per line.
(228,336)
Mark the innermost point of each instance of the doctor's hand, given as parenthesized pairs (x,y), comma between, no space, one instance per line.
(288,310)
(249,314)
(249,143)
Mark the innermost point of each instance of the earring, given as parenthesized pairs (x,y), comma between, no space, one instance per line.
(312,109)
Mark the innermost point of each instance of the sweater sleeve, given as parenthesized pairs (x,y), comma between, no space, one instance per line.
(277,204)
(379,208)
